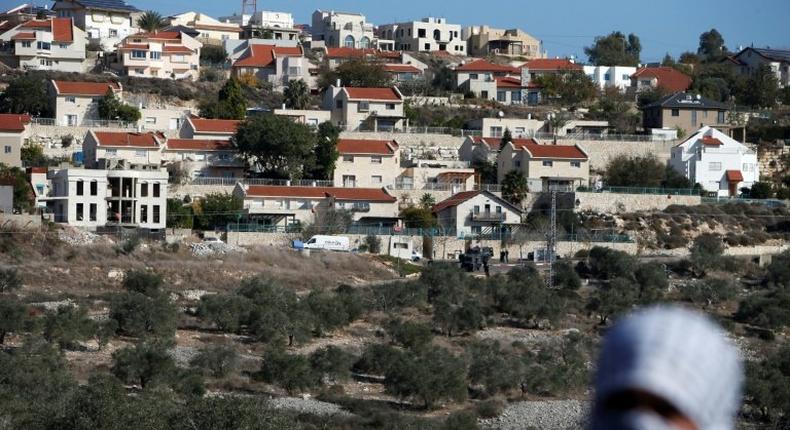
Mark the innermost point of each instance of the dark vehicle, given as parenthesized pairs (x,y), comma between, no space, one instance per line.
(476,258)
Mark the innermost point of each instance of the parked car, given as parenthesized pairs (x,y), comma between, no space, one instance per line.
(415,256)
(212,240)
(329,243)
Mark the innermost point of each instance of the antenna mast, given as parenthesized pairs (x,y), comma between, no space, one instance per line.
(249,6)
(551,242)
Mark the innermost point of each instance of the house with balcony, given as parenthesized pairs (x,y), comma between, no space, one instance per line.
(402,72)
(51,44)
(98,198)
(472,213)
(120,150)
(610,76)
(668,78)
(685,111)
(105,22)
(749,60)
(545,167)
(208,30)
(203,158)
(311,117)
(340,29)
(480,78)
(495,127)
(14,131)
(717,162)
(277,65)
(210,129)
(11,18)
(77,103)
(337,56)
(440,175)
(484,41)
(370,109)
(293,207)
(477,150)
(427,35)
(165,54)
(366,163)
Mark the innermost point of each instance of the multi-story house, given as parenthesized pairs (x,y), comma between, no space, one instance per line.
(22,13)
(211,129)
(14,131)
(100,198)
(750,59)
(686,112)
(720,164)
(266,25)
(366,163)
(295,206)
(471,213)
(546,167)
(336,29)
(480,78)
(402,72)
(538,67)
(278,65)
(204,158)
(365,108)
(667,78)
(208,29)
(119,150)
(610,76)
(51,44)
(484,40)
(478,150)
(311,117)
(337,56)
(77,103)
(428,35)
(442,175)
(496,127)
(166,54)
(106,22)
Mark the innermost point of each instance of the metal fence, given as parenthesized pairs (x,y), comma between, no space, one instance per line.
(773,203)
(642,190)
(86,123)
(220,181)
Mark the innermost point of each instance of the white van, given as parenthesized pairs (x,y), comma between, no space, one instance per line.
(329,243)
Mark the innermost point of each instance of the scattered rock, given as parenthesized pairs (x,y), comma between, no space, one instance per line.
(308,406)
(203,249)
(544,415)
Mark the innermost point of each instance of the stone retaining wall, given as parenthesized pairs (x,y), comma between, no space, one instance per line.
(181,191)
(20,221)
(624,203)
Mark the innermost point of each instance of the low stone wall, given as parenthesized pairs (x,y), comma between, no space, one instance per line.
(19,221)
(181,191)
(623,203)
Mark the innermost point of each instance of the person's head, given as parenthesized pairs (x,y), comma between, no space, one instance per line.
(666,368)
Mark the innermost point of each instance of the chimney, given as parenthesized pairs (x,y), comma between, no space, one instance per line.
(339,84)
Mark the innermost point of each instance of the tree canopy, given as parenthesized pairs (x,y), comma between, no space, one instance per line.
(647,171)
(26,94)
(711,46)
(615,50)
(297,95)
(514,187)
(355,73)
(277,146)
(111,108)
(151,21)
(568,88)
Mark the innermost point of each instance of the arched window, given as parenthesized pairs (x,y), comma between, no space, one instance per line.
(349,41)
(364,43)
(437,35)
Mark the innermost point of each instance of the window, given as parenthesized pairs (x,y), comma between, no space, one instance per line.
(156,214)
(476,229)
(139,71)
(93,209)
(71,99)
(94,188)
(156,55)
(138,54)
(548,163)
(376,159)
(606,77)
(143,214)
(427,46)
(675,112)
(720,118)
(139,153)
(518,163)
(626,77)
(477,209)
(499,209)
(80,211)
(349,41)
(7,149)
(144,189)
(420,32)
(156,191)
(496,131)
(63,46)
(44,46)
(26,44)
(110,152)
(576,164)
(348,158)
(714,166)
(473,76)
(376,179)
(80,188)
(390,106)
(747,167)
(338,104)
(113,32)
(150,120)
(45,62)
(515,97)
(501,96)
(363,106)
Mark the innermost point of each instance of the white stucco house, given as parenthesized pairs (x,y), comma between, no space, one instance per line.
(105,21)
(610,76)
(719,163)
(472,213)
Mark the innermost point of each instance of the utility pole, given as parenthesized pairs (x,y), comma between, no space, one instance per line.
(551,239)
(249,6)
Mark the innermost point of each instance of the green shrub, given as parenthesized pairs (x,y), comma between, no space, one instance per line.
(491,408)
(216,360)
(373,244)
(290,371)
(412,335)
(333,363)
(431,375)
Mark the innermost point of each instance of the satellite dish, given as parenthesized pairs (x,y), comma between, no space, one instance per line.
(699,96)
(500,114)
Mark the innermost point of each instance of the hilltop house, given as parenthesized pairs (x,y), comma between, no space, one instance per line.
(166,54)
(483,78)
(75,103)
(204,158)
(106,22)
(685,111)
(720,164)
(200,128)
(428,35)
(119,150)
(484,40)
(208,30)
(278,65)
(750,59)
(610,76)
(546,167)
(51,44)
(471,213)
(667,78)
(337,56)
(335,29)
(14,131)
(365,108)
(366,163)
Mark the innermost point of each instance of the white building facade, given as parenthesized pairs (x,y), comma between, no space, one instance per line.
(336,29)
(428,35)
(53,44)
(105,21)
(610,76)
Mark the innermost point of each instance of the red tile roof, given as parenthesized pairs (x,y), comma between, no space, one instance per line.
(161,35)
(135,46)
(85,88)
(24,36)
(537,150)
(199,145)
(38,170)
(486,66)
(551,64)
(711,141)
(264,55)
(401,68)
(14,123)
(229,28)
(221,126)
(372,93)
(359,146)
(507,82)
(36,23)
(131,140)
(455,200)
(667,78)
(61,28)
(356,194)
(176,49)
(345,52)
(734,176)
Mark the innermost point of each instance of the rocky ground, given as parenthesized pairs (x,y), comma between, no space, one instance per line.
(543,415)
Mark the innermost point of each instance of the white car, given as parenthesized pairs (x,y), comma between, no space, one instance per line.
(212,240)
(415,256)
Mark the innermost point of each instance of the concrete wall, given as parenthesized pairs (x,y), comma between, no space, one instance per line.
(623,203)
(181,191)
(24,222)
